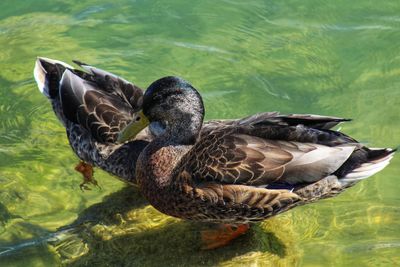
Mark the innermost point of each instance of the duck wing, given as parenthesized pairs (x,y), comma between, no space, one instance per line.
(114,85)
(101,102)
(277,119)
(309,120)
(269,148)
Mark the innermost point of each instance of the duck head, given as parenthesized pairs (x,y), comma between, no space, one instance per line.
(175,110)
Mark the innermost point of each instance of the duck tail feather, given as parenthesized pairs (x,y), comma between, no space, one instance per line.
(48,73)
(378,159)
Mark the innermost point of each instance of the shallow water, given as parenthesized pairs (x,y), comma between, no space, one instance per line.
(334,58)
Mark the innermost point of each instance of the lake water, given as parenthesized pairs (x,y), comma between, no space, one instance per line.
(324,57)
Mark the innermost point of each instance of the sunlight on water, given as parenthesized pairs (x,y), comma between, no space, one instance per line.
(338,58)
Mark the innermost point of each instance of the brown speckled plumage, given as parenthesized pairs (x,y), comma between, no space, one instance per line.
(94,106)
(244,170)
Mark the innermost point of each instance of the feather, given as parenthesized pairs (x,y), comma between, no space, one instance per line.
(101,112)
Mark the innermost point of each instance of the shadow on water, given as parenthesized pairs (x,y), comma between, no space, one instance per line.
(122,231)
(111,208)
(175,244)
(135,234)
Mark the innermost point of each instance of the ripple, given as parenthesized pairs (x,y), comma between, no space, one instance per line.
(201,47)
(373,246)
(297,24)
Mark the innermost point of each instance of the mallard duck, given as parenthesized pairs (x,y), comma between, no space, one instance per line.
(96,108)
(246,170)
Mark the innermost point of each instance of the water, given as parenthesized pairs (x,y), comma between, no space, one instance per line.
(334,58)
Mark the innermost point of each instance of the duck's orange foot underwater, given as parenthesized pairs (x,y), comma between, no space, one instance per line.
(212,239)
(87,172)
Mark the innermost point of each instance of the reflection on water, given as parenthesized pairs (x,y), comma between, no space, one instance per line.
(338,58)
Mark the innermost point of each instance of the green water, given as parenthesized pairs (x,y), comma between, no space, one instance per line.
(326,57)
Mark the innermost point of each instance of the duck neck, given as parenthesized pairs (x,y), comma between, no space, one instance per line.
(159,161)
(155,170)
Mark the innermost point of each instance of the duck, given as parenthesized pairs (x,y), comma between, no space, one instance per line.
(246,170)
(96,108)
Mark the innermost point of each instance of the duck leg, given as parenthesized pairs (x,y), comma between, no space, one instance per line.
(212,239)
(87,172)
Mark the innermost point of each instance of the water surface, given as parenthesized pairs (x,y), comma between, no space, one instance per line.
(333,58)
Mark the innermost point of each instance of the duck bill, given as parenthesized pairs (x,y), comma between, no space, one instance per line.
(133,128)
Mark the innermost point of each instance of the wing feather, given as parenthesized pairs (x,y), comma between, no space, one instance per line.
(309,120)
(252,152)
(99,101)
(246,202)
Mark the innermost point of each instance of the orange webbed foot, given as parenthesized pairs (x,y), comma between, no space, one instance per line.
(212,239)
(87,172)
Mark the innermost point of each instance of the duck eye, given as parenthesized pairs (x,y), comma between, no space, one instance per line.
(138,119)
